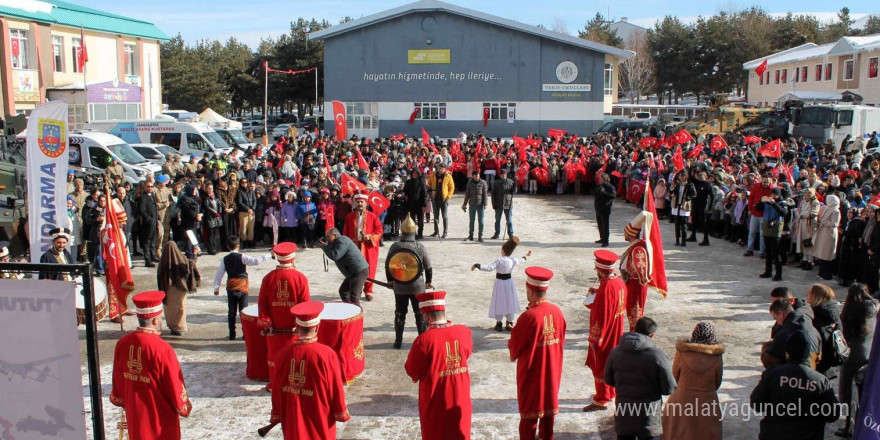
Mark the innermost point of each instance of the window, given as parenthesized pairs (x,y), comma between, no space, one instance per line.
(99,157)
(761,80)
(114,110)
(797,74)
(828,72)
(784,76)
(195,141)
(848,70)
(872,67)
(76,116)
(129,59)
(58,53)
(431,110)
(777,77)
(170,139)
(19,48)
(818,72)
(498,111)
(767,79)
(844,118)
(804,74)
(609,80)
(75,54)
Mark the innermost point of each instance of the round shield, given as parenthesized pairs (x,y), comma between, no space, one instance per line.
(404,265)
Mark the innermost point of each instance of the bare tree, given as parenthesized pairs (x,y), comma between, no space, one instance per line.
(558,25)
(636,74)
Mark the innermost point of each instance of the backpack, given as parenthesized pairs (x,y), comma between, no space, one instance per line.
(838,349)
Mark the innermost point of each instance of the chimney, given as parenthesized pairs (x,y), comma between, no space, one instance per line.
(623,19)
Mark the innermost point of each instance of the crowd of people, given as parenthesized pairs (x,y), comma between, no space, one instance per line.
(794,203)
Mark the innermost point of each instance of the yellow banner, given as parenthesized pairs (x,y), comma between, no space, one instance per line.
(429,56)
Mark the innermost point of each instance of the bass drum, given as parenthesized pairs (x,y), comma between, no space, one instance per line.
(102,308)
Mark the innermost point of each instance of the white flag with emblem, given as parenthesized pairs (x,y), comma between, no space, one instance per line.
(47,151)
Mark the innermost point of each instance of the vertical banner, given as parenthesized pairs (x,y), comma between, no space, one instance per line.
(339,116)
(46,174)
(867,421)
(39,361)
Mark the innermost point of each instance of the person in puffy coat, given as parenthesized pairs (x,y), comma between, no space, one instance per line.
(697,369)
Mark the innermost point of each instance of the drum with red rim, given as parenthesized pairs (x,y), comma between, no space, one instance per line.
(255,344)
(342,329)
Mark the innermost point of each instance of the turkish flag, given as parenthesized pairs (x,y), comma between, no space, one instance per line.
(459,167)
(350,185)
(116,262)
(752,139)
(16,49)
(485,116)
(571,172)
(683,136)
(82,45)
(425,138)
(378,202)
(362,163)
(647,142)
(635,191)
(718,143)
(556,133)
(522,174)
(412,116)
(477,154)
(339,118)
(771,149)
(695,153)
(677,159)
(658,265)
(761,68)
(541,175)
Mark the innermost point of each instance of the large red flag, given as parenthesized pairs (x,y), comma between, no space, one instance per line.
(362,163)
(771,149)
(647,142)
(412,116)
(83,53)
(761,68)
(695,152)
(425,138)
(718,143)
(350,185)
(556,133)
(751,139)
(339,119)
(683,136)
(677,159)
(116,263)
(522,174)
(477,154)
(378,202)
(635,191)
(658,262)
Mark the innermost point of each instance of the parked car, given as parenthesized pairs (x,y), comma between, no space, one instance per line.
(255,127)
(155,153)
(611,127)
(280,130)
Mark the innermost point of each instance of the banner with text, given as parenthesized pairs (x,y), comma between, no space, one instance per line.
(46,174)
(40,361)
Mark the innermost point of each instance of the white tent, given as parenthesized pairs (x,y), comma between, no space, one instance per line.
(215,119)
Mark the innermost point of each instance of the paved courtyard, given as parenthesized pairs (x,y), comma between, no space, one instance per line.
(714,284)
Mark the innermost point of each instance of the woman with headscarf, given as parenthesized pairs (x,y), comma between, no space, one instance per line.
(697,368)
(176,276)
(807,221)
(848,269)
(870,250)
(825,240)
(660,198)
(272,214)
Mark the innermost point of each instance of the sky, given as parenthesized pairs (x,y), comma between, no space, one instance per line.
(251,21)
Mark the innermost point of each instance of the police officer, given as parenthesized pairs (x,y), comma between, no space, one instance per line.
(796,400)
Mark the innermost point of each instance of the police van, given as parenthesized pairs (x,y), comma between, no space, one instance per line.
(186,137)
(93,150)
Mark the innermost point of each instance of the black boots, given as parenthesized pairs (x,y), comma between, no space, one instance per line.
(509,326)
(498,326)
(705,242)
(421,324)
(778,276)
(399,321)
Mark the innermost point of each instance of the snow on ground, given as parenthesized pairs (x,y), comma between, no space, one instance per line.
(714,284)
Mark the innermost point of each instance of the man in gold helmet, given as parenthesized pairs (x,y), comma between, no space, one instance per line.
(408,269)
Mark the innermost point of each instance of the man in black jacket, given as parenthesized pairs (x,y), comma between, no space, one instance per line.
(148,216)
(246,205)
(605,194)
(701,203)
(502,202)
(790,323)
(796,401)
(416,193)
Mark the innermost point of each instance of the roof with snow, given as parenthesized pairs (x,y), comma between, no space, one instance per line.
(435,5)
(852,45)
(811,51)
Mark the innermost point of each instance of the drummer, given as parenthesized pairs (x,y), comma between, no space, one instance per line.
(237,286)
(57,254)
(282,289)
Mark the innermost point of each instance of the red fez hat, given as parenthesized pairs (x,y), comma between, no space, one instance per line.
(307,314)
(605,260)
(148,304)
(538,278)
(361,194)
(284,252)
(432,301)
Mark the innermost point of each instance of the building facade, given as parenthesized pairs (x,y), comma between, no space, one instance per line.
(450,69)
(846,70)
(105,65)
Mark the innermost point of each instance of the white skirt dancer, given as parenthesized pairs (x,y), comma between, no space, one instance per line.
(504,298)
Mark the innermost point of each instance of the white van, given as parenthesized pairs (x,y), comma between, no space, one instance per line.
(93,150)
(186,137)
(235,138)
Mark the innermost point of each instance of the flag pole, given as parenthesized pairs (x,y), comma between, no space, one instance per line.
(316,95)
(265,102)
(82,45)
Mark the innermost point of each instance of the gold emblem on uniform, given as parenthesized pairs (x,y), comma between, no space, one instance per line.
(359,351)
(283,290)
(453,357)
(134,363)
(297,377)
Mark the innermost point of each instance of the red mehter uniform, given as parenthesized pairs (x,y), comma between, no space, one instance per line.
(438,362)
(607,323)
(635,264)
(147,381)
(281,289)
(309,397)
(366,234)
